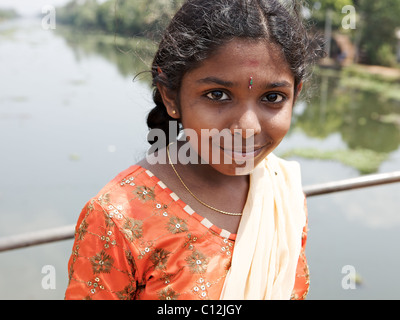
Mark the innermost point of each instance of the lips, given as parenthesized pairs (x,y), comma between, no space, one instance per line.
(244,153)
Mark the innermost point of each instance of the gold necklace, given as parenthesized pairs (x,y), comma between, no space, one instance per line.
(186,187)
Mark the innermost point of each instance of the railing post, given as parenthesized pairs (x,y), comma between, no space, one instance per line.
(352,184)
(36,238)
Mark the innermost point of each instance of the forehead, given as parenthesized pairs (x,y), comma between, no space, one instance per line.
(242,57)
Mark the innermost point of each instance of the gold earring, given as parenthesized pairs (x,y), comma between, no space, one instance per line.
(173,111)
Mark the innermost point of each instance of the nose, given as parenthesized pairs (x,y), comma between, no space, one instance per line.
(246,122)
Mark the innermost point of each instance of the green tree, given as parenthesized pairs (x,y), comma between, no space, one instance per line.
(6,14)
(378,22)
(374,35)
(122,17)
(320,8)
(335,5)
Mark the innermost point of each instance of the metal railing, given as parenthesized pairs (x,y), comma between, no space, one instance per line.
(67,232)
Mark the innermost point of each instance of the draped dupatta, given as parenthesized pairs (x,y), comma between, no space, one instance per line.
(268,242)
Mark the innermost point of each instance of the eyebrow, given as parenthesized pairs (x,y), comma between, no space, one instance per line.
(210,80)
(229,84)
(279,84)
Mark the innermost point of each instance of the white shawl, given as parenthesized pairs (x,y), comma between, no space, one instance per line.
(268,242)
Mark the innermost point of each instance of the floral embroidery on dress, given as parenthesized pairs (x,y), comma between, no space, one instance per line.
(127,293)
(167,277)
(109,222)
(159,258)
(101,262)
(201,287)
(140,241)
(168,294)
(189,243)
(144,193)
(133,229)
(127,181)
(80,234)
(107,238)
(131,262)
(197,262)
(176,225)
(95,285)
(104,199)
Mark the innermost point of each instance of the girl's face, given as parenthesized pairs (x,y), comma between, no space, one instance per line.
(247,89)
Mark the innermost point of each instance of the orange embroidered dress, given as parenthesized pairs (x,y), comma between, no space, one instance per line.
(137,240)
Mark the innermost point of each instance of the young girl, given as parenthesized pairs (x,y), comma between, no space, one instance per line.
(231,222)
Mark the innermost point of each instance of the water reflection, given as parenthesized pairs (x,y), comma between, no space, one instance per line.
(367,123)
(126,53)
(357,114)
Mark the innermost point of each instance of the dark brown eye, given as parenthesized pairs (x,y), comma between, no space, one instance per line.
(217,95)
(274,97)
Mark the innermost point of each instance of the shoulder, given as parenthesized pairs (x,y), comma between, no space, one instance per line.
(127,194)
(132,202)
(120,179)
(124,182)
(287,172)
(287,176)
(285,166)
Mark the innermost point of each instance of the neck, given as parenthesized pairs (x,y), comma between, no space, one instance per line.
(227,193)
(208,177)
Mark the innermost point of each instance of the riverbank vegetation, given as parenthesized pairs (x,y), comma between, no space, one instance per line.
(364,160)
(139,18)
(7,14)
(131,55)
(374,37)
(382,81)
(374,34)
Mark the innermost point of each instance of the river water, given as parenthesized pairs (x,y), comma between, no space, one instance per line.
(71,118)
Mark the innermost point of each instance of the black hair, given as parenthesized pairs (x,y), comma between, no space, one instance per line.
(202,26)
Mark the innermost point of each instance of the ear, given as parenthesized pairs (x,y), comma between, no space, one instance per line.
(169,98)
(299,88)
(298,91)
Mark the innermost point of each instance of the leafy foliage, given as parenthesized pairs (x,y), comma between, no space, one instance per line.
(376,24)
(123,17)
(374,34)
(379,20)
(364,160)
(6,14)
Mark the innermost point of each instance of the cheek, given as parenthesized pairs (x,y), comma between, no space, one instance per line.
(197,117)
(278,125)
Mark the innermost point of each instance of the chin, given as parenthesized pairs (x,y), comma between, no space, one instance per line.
(243,168)
(238,164)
